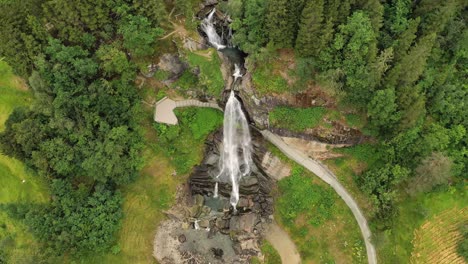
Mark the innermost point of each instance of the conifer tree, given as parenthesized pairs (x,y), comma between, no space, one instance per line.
(436,16)
(309,42)
(251,33)
(280,32)
(295,8)
(375,10)
(338,10)
(407,37)
(357,42)
(412,65)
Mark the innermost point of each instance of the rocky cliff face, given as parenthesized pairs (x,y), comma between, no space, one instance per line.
(254,189)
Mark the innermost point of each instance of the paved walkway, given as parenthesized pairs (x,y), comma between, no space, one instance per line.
(164,112)
(326,175)
(281,241)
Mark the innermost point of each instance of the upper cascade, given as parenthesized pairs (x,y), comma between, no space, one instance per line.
(208,27)
(236,157)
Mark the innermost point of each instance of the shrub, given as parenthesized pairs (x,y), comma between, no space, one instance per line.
(210,74)
(162,75)
(267,82)
(296,119)
(300,196)
(355,121)
(179,141)
(462,248)
(188,80)
(271,255)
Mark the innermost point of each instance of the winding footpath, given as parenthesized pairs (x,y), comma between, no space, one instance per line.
(281,241)
(327,176)
(278,238)
(164,110)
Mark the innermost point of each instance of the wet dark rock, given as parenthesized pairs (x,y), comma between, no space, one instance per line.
(222,224)
(202,179)
(217,252)
(245,202)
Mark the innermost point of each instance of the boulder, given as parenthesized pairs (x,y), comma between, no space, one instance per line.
(217,252)
(182,238)
(171,63)
(204,223)
(244,222)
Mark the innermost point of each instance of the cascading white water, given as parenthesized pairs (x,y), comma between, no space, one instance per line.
(237,72)
(208,27)
(215,195)
(236,156)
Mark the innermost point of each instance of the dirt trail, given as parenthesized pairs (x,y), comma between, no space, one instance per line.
(327,176)
(281,241)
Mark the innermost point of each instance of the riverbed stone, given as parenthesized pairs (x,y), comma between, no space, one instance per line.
(204,223)
(245,222)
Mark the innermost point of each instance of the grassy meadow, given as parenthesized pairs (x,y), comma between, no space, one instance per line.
(18,184)
(319,222)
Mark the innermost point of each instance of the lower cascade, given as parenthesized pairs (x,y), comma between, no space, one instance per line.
(236,158)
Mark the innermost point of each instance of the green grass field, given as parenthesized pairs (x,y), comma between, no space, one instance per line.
(271,256)
(396,245)
(17,184)
(209,64)
(355,160)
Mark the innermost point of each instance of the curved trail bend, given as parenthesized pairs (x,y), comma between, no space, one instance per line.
(326,175)
(281,241)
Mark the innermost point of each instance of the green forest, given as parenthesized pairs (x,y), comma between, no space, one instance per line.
(396,68)
(402,63)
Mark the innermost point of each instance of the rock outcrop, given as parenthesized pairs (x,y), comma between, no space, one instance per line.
(260,106)
(254,189)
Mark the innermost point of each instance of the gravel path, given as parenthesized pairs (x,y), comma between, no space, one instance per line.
(281,241)
(164,110)
(326,175)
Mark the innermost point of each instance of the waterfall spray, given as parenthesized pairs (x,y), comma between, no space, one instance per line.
(236,158)
(215,195)
(237,72)
(208,27)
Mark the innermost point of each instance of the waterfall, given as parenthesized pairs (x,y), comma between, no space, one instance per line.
(195,224)
(208,27)
(236,156)
(237,72)
(215,195)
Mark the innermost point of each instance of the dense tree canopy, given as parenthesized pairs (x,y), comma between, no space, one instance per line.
(81,133)
(400,61)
